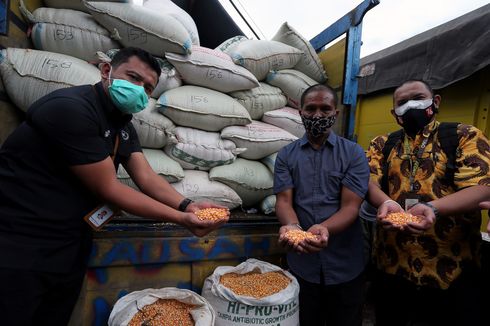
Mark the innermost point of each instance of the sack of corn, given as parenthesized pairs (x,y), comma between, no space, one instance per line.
(260,99)
(270,161)
(166,306)
(309,63)
(160,163)
(212,69)
(137,26)
(292,82)
(197,186)
(199,149)
(261,56)
(202,108)
(253,293)
(76,4)
(170,8)
(251,180)
(268,205)
(29,74)
(228,45)
(286,118)
(151,126)
(68,32)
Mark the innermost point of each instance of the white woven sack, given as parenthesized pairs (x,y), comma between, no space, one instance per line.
(168,7)
(126,307)
(262,56)
(10,118)
(260,99)
(286,118)
(281,308)
(228,45)
(309,63)
(202,108)
(134,25)
(169,78)
(199,149)
(197,186)
(68,32)
(292,82)
(259,138)
(251,180)
(152,126)
(268,205)
(270,161)
(76,4)
(160,163)
(212,69)
(30,74)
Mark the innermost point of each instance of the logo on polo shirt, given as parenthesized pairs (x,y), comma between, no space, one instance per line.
(107,133)
(124,135)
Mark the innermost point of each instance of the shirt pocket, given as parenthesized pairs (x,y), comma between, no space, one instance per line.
(334,185)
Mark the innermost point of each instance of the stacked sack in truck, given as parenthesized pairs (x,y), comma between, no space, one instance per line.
(217,116)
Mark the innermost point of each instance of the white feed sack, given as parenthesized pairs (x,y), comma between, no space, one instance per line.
(30,74)
(168,7)
(268,205)
(169,78)
(309,63)
(261,56)
(152,126)
(270,161)
(212,69)
(68,32)
(281,308)
(286,118)
(251,180)
(126,307)
(228,45)
(160,163)
(134,25)
(259,138)
(260,99)
(292,82)
(202,108)
(197,186)
(199,149)
(76,4)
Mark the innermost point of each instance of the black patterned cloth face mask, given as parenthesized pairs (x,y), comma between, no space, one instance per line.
(318,126)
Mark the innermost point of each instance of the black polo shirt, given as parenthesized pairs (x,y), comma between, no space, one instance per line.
(42,203)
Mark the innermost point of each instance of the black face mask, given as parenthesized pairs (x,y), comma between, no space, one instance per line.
(415,120)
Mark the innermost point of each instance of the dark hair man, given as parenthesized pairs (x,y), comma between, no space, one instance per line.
(56,167)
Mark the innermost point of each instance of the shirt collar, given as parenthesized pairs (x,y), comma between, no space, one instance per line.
(331,139)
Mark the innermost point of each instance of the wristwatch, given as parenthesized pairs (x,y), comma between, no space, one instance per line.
(296,225)
(184,203)
(434,209)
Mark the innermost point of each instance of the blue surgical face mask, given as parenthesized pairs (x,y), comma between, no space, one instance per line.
(126,96)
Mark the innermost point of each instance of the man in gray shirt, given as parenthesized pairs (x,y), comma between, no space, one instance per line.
(320,181)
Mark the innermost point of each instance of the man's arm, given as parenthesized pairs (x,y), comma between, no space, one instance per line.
(347,214)
(100,178)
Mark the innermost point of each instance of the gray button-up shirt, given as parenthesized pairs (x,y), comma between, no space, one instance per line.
(317,178)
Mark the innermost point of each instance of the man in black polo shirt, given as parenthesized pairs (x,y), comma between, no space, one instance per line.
(56,167)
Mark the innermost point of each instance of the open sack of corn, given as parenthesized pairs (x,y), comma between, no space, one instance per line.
(166,306)
(253,293)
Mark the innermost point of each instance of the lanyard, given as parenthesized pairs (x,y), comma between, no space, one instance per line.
(116,146)
(415,165)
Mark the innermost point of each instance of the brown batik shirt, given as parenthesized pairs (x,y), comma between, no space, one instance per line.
(436,257)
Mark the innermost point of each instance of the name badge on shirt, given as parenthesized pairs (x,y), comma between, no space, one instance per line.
(99,216)
(411,200)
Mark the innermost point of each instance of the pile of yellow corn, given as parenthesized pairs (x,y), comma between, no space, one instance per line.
(212,214)
(401,218)
(164,312)
(254,284)
(297,236)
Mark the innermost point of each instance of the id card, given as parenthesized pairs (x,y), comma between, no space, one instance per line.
(410,201)
(99,216)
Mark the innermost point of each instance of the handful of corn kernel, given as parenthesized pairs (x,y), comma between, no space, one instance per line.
(297,236)
(212,214)
(256,285)
(164,312)
(401,218)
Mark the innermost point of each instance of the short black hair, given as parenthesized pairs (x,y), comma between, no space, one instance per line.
(427,85)
(123,55)
(318,87)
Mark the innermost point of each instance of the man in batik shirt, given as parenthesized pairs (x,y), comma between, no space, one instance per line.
(428,272)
